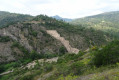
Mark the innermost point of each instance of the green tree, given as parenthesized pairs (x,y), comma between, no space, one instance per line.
(107,55)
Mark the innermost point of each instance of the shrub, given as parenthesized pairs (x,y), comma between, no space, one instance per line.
(4,38)
(69,77)
(49,55)
(67,57)
(63,69)
(94,48)
(60,60)
(5,77)
(34,33)
(25,61)
(107,55)
(27,77)
(62,50)
(80,53)
(76,68)
(2,69)
(34,55)
(48,67)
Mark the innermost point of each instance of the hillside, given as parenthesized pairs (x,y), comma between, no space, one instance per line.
(44,48)
(7,18)
(21,39)
(99,63)
(107,22)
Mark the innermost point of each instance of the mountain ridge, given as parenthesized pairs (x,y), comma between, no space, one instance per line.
(107,22)
(7,18)
(60,18)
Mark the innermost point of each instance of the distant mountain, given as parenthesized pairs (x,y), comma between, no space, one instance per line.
(60,18)
(7,18)
(107,22)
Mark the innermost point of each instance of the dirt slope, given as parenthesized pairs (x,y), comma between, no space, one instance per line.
(57,36)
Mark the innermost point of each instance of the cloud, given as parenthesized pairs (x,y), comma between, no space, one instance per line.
(64,8)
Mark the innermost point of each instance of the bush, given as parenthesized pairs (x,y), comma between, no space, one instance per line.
(27,77)
(67,57)
(34,55)
(25,61)
(62,50)
(61,60)
(49,55)
(2,69)
(63,69)
(34,33)
(48,67)
(10,65)
(69,77)
(76,68)
(4,38)
(107,55)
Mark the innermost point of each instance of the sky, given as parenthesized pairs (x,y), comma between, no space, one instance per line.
(63,8)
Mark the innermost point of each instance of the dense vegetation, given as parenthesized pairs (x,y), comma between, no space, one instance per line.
(7,18)
(74,66)
(107,22)
(107,55)
(4,38)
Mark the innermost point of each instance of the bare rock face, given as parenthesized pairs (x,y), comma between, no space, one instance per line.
(56,35)
(25,42)
(24,35)
(15,33)
(6,52)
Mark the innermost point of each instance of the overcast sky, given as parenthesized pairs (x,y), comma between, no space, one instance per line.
(63,8)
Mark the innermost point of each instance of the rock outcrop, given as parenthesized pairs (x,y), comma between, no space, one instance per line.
(24,35)
(6,52)
(15,33)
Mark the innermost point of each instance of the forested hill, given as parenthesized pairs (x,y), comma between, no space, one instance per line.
(107,22)
(7,18)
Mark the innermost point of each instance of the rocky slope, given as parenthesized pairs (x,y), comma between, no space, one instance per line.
(18,33)
(20,39)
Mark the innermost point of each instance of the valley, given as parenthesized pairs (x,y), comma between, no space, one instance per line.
(44,48)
